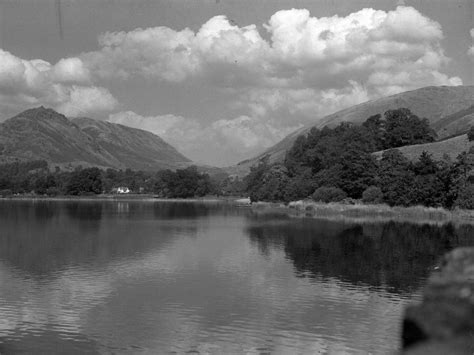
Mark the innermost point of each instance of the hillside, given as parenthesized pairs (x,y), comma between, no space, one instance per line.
(452,147)
(44,134)
(449,110)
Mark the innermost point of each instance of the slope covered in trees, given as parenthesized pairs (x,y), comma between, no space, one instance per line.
(449,110)
(334,163)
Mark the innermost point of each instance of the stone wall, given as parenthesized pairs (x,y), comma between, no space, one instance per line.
(443,323)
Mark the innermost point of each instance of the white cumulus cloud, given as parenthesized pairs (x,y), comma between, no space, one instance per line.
(71,70)
(306,67)
(65,86)
(470,52)
(222,142)
(303,51)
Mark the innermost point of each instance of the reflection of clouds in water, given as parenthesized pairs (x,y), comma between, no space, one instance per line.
(207,287)
(65,297)
(265,293)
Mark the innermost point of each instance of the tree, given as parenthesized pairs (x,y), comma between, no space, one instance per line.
(300,186)
(395,178)
(425,164)
(85,181)
(328,194)
(470,134)
(428,187)
(357,172)
(254,180)
(465,198)
(372,194)
(273,185)
(404,128)
(427,190)
(182,183)
(375,127)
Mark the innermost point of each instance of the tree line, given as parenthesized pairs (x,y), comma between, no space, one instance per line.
(35,177)
(336,164)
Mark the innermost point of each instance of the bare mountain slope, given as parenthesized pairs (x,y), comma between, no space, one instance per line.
(42,133)
(133,148)
(449,110)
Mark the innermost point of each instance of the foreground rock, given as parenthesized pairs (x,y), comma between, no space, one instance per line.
(443,323)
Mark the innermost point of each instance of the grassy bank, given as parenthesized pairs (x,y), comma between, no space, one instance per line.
(361,212)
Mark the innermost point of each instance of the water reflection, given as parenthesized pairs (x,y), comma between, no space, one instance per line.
(395,255)
(43,237)
(154,277)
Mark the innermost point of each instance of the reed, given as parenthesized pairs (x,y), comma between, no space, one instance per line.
(365,212)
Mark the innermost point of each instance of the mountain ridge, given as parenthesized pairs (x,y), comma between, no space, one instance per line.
(44,134)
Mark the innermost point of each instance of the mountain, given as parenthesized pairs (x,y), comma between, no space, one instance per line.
(42,133)
(449,109)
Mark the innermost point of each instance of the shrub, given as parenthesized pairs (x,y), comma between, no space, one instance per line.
(465,199)
(52,191)
(372,194)
(470,134)
(329,194)
(5,193)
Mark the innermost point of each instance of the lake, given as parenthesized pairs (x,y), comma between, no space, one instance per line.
(198,278)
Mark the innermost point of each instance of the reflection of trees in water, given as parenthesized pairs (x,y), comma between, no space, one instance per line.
(27,211)
(84,210)
(192,209)
(393,255)
(175,210)
(42,238)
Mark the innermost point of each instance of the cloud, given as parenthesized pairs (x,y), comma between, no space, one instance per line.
(81,100)
(65,86)
(163,53)
(71,70)
(305,68)
(470,52)
(303,51)
(220,143)
(290,106)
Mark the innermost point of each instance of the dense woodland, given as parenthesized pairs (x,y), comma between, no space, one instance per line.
(36,178)
(338,165)
(328,165)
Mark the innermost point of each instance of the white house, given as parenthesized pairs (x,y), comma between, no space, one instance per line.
(122,190)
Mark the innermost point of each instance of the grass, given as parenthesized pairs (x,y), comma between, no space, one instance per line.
(362,212)
(452,147)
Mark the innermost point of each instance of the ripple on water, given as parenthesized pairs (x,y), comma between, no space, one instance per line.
(160,280)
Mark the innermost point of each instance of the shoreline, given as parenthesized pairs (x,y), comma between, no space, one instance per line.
(125,197)
(366,213)
(300,209)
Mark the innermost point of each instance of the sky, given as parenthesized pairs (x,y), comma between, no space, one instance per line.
(222,80)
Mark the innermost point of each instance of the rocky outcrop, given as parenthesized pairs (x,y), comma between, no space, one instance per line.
(443,323)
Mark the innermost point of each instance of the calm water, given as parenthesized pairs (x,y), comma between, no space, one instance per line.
(130,277)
